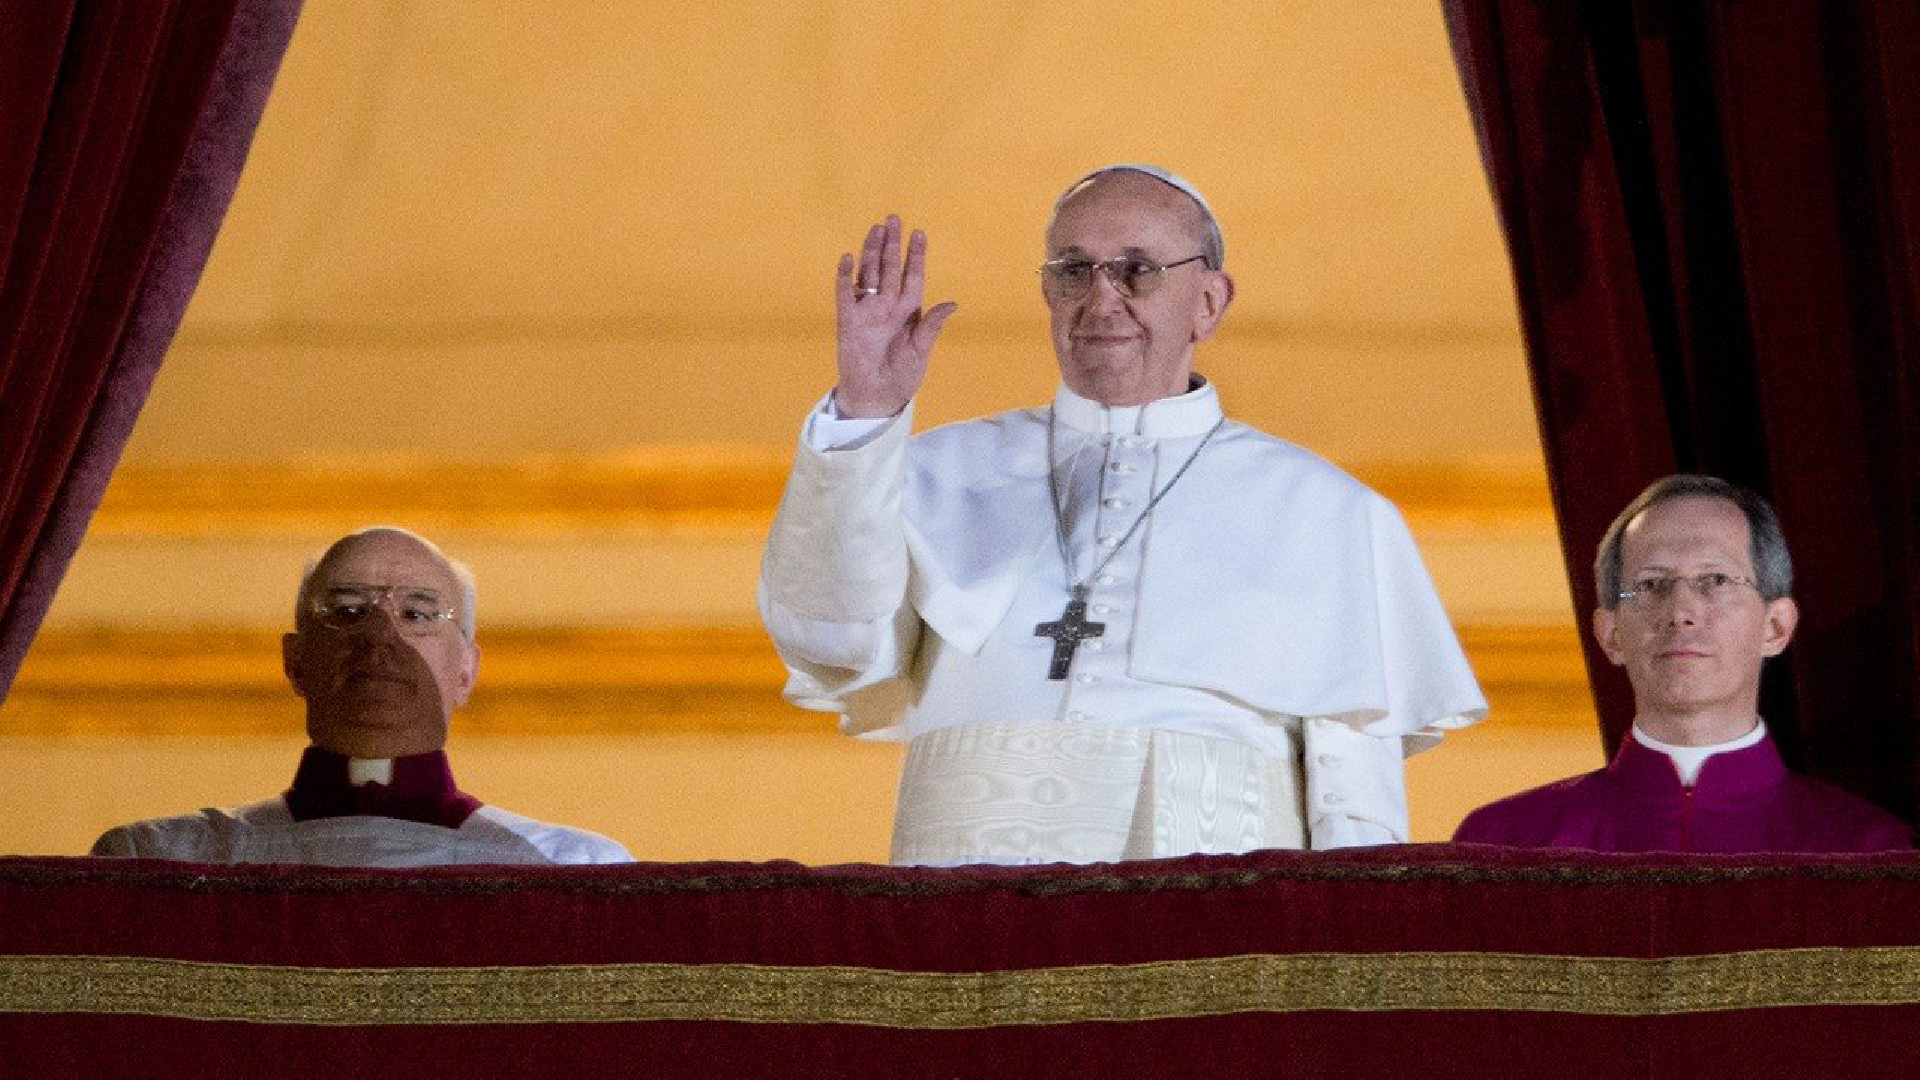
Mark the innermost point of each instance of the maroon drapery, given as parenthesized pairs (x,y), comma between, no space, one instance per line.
(123,127)
(1430,961)
(1713,214)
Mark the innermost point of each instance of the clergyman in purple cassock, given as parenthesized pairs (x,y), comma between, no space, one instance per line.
(1742,800)
(382,652)
(1694,580)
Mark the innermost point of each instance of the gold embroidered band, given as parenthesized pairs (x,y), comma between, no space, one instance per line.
(748,993)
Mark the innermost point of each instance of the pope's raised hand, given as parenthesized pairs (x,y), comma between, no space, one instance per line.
(884,337)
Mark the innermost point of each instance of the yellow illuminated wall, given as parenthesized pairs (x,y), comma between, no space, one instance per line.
(551,283)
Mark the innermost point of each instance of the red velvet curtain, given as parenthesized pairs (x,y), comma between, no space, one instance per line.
(123,127)
(1713,214)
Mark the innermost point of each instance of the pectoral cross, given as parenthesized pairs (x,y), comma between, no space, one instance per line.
(1068,632)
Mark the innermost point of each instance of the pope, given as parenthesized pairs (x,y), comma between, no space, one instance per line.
(1119,625)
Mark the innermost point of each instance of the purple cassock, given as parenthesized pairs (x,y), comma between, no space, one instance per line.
(1743,801)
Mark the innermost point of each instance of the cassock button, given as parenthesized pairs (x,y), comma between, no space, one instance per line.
(1096,644)
(1084,677)
(1333,798)
(1121,467)
(1109,541)
(1076,717)
(1327,760)
(1113,502)
(1105,579)
(1102,609)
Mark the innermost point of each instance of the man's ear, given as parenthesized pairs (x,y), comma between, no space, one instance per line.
(469,673)
(1606,631)
(290,662)
(1783,615)
(1214,298)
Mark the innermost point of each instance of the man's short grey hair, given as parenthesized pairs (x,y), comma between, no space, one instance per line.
(1767,545)
(1213,247)
(462,575)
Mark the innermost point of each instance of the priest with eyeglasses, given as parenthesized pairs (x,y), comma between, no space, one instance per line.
(1119,625)
(1695,589)
(382,652)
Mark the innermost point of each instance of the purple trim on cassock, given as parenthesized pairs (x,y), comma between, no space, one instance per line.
(1743,801)
(422,790)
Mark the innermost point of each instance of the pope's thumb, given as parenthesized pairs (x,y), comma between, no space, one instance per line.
(929,325)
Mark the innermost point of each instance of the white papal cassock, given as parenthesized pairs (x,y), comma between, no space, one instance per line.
(1272,642)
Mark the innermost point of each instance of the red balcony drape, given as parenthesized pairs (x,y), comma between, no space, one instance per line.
(1430,961)
(123,127)
(1712,209)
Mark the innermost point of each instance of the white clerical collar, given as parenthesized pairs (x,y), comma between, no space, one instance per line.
(1688,759)
(1187,415)
(369,771)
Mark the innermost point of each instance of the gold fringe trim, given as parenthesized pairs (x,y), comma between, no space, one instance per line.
(755,994)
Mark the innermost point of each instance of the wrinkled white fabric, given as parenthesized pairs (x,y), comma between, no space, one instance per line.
(1270,600)
(265,832)
(1079,792)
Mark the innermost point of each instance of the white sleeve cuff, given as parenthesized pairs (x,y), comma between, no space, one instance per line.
(1356,786)
(827,430)
(1339,832)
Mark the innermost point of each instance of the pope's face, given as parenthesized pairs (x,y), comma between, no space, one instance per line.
(373,691)
(1121,350)
(1694,662)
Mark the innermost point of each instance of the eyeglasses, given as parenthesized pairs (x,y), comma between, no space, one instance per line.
(1713,588)
(348,606)
(1070,278)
